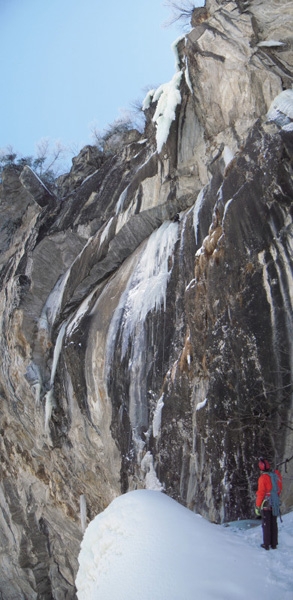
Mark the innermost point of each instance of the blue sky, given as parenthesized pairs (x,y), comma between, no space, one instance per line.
(67,65)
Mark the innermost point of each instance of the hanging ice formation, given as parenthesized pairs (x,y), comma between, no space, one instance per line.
(167,96)
(149,281)
(146,291)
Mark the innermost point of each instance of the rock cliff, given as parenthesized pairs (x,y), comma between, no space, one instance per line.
(147,325)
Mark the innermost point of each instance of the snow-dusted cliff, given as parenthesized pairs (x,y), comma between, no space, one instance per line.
(146,331)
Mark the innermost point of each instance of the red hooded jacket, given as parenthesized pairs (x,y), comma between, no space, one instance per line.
(265,486)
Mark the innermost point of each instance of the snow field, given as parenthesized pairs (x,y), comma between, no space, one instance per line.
(146,546)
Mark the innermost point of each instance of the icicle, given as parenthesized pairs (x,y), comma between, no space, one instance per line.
(157,418)
(105,231)
(53,304)
(196,211)
(227,206)
(74,322)
(187,76)
(82,504)
(57,350)
(120,203)
(33,376)
(49,405)
(37,390)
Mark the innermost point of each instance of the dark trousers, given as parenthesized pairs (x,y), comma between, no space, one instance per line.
(269,528)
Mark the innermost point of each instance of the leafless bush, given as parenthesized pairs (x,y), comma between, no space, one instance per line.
(182,11)
(50,161)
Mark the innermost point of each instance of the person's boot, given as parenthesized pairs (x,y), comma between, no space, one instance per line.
(265,546)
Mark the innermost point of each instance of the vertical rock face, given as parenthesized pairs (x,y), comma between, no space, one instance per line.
(146,330)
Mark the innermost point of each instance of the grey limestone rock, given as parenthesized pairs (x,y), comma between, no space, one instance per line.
(146,317)
(33,184)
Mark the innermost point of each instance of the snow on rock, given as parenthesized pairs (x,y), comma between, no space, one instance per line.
(201,404)
(147,546)
(227,155)
(151,480)
(288,127)
(270,44)
(174,47)
(148,99)
(281,109)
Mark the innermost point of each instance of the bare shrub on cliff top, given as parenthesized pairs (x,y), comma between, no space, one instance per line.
(50,160)
(182,11)
(109,140)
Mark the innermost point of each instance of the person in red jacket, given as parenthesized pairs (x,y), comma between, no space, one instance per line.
(265,505)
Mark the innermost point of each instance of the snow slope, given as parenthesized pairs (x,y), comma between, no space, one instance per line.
(146,546)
